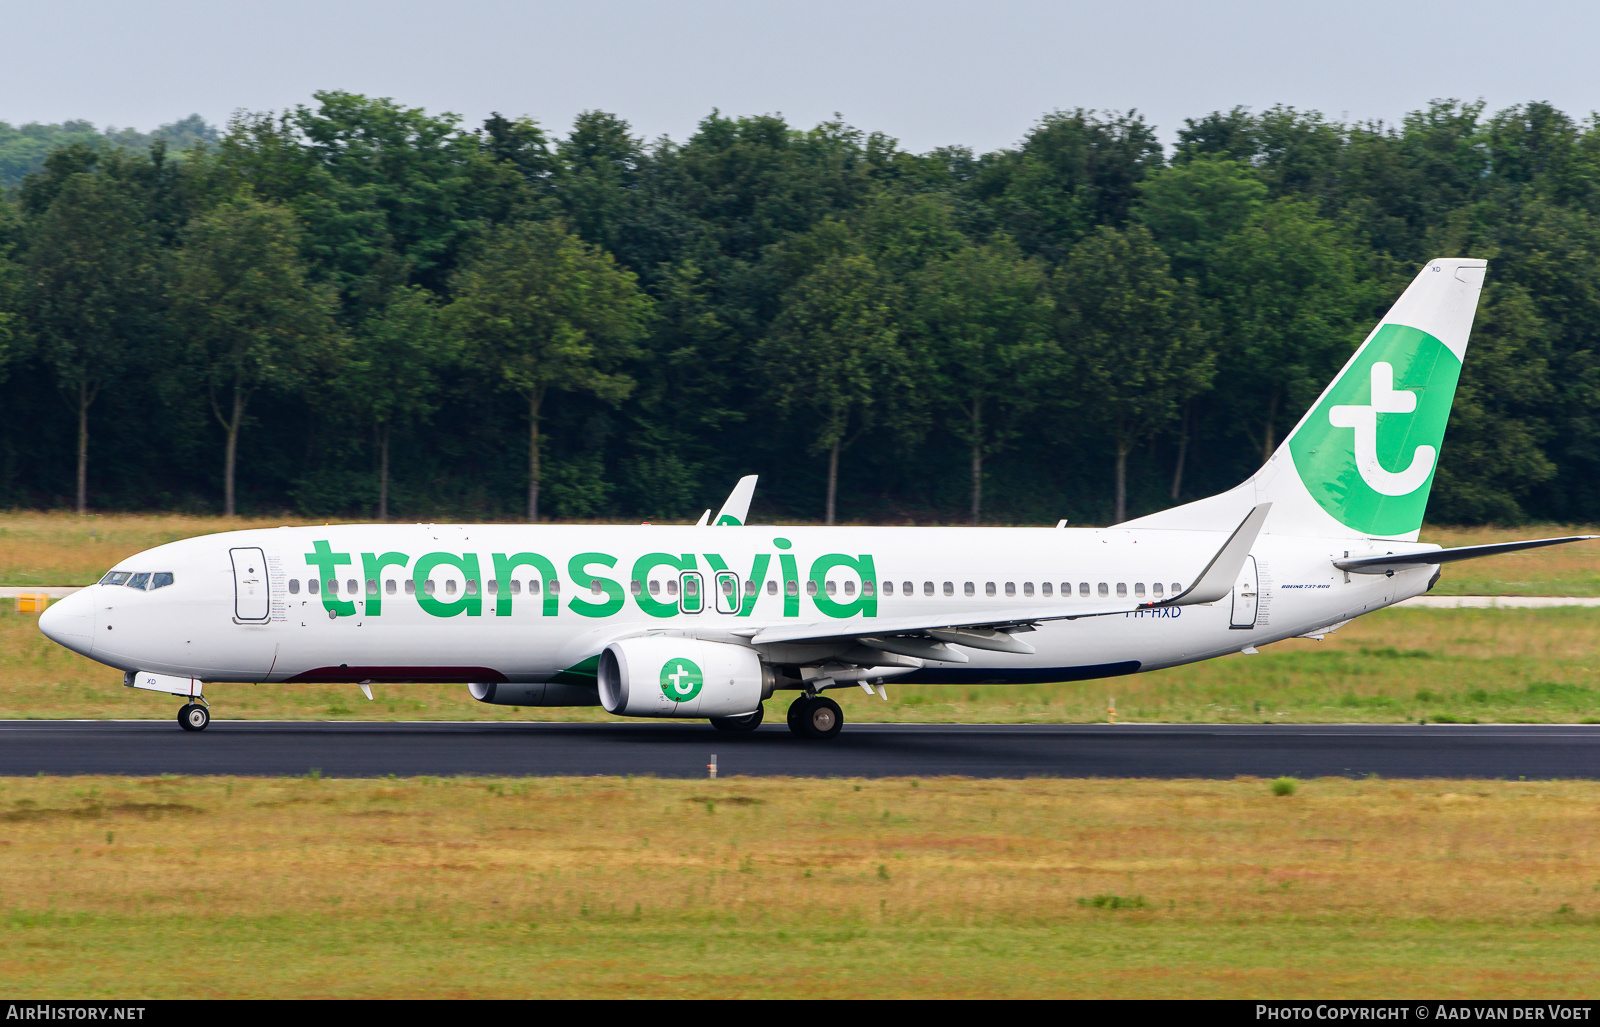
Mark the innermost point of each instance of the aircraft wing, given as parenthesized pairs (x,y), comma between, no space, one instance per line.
(924,635)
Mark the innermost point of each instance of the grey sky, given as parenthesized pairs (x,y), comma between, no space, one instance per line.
(931,74)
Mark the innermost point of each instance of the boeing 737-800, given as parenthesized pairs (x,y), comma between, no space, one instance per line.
(707,621)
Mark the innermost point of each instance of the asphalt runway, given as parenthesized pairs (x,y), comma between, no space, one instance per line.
(861,750)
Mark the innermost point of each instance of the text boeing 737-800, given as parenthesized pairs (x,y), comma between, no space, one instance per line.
(707,621)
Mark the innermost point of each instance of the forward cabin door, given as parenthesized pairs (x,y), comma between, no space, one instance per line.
(1246,595)
(252,604)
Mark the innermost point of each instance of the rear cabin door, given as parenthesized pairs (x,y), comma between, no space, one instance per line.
(1246,594)
(251,601)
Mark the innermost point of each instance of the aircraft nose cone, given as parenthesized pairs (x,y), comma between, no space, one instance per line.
(70,622)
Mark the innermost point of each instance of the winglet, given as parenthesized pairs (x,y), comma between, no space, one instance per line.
(1218,579)
(703,519)
(737,508)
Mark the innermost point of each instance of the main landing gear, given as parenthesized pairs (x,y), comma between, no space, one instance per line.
(815,716)
(193,717)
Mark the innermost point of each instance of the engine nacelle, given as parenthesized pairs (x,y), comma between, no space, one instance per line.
(540,694)
(669,676)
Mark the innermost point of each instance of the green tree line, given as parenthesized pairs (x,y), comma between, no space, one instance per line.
(360,308)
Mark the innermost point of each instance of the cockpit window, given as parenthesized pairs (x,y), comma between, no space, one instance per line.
(139,580)
(115,578)
(160,579)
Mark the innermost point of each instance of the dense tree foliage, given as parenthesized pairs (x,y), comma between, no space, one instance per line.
(368,309)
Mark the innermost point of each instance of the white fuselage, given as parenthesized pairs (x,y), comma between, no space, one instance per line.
(213,624)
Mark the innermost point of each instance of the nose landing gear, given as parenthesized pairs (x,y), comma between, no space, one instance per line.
(193,717)
(815,716)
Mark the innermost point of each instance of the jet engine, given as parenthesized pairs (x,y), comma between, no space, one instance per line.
(669,676)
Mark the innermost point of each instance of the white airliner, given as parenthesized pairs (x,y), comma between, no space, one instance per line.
(707,621)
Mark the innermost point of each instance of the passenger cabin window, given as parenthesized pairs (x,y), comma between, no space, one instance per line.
(494,586)
(791,587)
(1122,589)
(1138,589)
(672,586)
(140,580)
(411,586)
(450,586)
(1176,588)
(388,586)
(372,586)
(950,588)
(751,587)
(1011,588)
(811,588)
(1104,590)
(1027,588)
(832,587)
(312,585)
(1044,588)
(727,586)
(595,587)
(905,587)
(533,586)
(888,588)
(988,588)
(655,587)
(849,588)
(866,588)
(516,587)
(636,587)
(772,588)
(1083,588)
(553,586)
(927,588)
(352,586)
(428,587)
(967,588)
(1156,590)
(294,586)
(333,586)
(116,578)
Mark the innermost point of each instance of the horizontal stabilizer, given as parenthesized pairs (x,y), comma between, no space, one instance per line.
(1385,562)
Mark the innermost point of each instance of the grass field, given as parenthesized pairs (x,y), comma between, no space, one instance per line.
(65,549)
(1394,666)
(174,887)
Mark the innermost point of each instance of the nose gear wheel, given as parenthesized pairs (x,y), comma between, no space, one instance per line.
(193,717)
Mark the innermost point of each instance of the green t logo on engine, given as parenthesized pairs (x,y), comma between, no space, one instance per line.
(681,680)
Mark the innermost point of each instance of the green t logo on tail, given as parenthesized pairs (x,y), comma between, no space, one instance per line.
(1369,451)
(681,680)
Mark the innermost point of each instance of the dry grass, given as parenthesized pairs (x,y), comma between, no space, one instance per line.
(65,549)
(773,887)
(1390,667)
(1570,570)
